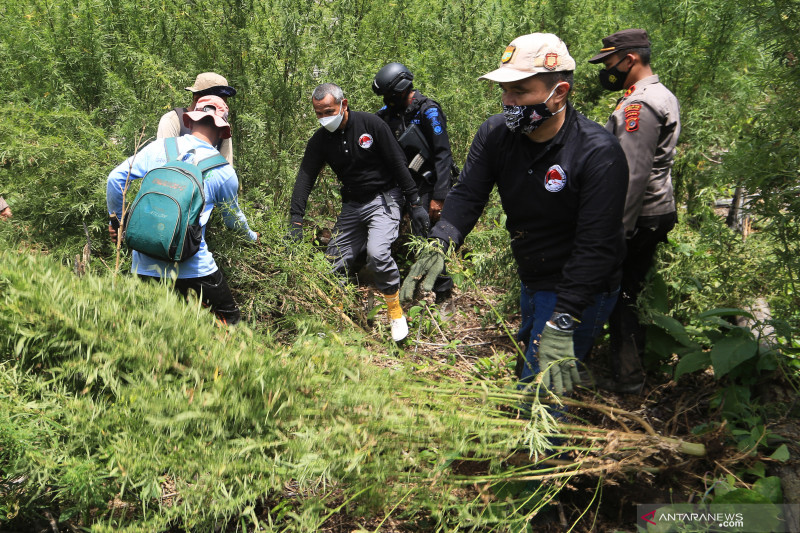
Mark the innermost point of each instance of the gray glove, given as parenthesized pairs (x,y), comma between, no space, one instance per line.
(424,272)
(420,222)
(557,360)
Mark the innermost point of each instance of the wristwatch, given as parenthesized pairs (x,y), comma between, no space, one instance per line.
(563,321)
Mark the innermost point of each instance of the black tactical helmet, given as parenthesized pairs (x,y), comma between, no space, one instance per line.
(393,78)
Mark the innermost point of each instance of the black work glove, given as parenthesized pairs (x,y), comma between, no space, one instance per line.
(113,229)
(296,231)
(420,222)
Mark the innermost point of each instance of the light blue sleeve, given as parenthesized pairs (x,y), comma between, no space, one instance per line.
(138,165)
(228,201)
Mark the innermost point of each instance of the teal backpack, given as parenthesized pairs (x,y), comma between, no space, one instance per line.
(163,221)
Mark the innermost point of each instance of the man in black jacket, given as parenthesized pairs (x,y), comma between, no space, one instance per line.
(406,107)
(562,181)
(420,126)
(375,183)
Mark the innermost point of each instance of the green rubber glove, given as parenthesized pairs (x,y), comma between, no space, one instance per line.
(423,273)
(557,360)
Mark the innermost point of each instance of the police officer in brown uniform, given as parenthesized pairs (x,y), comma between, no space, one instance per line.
(647,123)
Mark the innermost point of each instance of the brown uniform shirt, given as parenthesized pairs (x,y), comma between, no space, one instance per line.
(647,123)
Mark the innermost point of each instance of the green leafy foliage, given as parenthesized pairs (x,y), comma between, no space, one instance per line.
(48,165)
(734,355)
(136,410)
(105,400)
(781,454)
(692,362)
(731,351)
(766,490)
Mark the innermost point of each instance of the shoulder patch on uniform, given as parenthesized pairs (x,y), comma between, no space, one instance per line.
(555,179)
(632,112)
(432,114)
(365,140)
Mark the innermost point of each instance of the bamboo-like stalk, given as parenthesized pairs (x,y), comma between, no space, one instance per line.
(688,448)
(121,218)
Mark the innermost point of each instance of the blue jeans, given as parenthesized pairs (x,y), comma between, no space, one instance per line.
(537,308)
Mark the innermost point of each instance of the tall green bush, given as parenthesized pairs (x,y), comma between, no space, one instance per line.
(51,165)
(126,409)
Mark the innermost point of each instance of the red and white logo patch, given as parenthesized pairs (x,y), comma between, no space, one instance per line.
(632,117)
(551,61)
(365,140)
(555,179)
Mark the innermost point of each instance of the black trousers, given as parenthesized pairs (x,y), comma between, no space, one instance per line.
(627,334)
(214,293)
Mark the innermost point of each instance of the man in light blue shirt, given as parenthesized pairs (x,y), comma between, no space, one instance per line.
(208,123)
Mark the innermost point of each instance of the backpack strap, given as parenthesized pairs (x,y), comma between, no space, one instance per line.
(171,146)
(180,111)
(214,161)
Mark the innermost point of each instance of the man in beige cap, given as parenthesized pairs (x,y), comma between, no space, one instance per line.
(562,181)
(206,84)
(647,123)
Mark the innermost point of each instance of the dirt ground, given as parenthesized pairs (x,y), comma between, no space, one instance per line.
(468,332)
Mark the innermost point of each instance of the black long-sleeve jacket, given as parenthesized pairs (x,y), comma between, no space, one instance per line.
(364,156)
(564,202)
(427,114)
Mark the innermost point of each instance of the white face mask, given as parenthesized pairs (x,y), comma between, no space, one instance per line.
(332,123)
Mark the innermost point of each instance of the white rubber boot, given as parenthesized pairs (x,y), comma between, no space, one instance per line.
(399,328)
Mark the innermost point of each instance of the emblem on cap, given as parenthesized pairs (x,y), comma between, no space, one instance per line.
(551,61)
(508,54)
(555,179)
(365,140)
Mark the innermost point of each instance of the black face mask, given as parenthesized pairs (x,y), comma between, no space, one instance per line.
(526,118)
(612,79)
(395,101)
